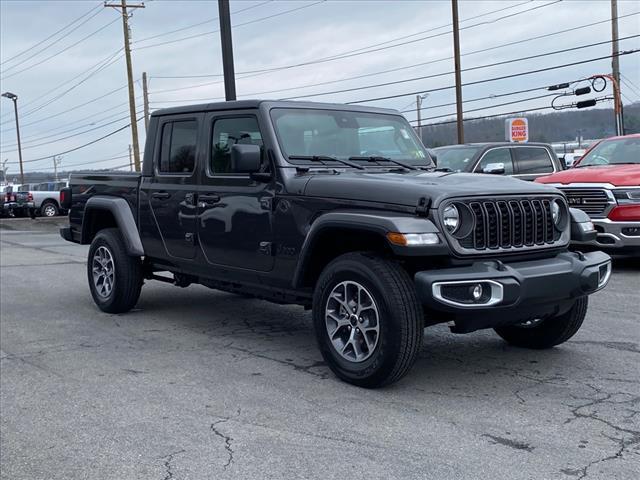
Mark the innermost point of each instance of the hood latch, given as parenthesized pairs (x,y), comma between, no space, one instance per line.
(422,209)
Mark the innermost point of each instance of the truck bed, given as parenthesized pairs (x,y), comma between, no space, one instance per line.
(116,184)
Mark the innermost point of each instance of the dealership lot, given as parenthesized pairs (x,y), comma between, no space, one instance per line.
(199,384)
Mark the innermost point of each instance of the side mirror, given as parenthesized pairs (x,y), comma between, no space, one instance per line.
(494,168)
(245,158)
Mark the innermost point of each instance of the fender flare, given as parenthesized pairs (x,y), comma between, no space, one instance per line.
(375,222)
(123,216)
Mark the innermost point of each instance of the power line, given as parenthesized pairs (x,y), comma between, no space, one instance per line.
(80,146)
(477,67)
(199,23)
(513,102)
(503,77)
(40,62)
(55,41)
(52,35)
(357,52)
(234,26)
(424,77)
(430,62)
(98,127)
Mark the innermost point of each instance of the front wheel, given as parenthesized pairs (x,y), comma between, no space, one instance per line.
(367,318)
(115,278)
(547,333)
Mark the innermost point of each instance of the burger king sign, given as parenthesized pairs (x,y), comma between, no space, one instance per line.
(517,130)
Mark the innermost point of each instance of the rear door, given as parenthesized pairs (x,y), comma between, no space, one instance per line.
(532,162)
(168,197)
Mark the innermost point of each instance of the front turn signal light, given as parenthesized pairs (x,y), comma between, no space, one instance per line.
(413,239)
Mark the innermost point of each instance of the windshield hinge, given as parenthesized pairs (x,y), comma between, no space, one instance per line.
(422,209)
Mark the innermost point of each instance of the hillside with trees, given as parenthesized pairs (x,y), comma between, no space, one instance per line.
(553,127)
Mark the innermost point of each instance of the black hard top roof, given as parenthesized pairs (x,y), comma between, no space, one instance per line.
(253,104)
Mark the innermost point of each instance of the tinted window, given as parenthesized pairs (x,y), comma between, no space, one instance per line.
(457,159)
(497,155)
(533,160)
(178,151)
(228,132)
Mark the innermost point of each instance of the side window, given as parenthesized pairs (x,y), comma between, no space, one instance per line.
(178,149)
(226,133)
(497,155)
(533,160)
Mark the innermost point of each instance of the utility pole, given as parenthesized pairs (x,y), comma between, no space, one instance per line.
(14,98)
(4,170)
(130,159)
(615,69)
(419,99)
(132,96)
(227,50)
(145,96)
(57,161)
(456,54)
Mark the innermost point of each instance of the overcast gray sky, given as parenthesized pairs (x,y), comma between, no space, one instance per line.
(59,82)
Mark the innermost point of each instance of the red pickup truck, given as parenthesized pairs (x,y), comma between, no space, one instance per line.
(605,183)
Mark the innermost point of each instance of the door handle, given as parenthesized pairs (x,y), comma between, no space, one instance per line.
(160,195)
(206,200)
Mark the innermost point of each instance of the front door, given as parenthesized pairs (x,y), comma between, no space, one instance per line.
(167,198)
(234,211)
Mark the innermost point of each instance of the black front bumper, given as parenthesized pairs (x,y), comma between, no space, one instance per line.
(520,291)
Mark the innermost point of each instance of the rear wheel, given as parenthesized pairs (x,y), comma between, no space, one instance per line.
(368,321)
(115,277)
(547,333)
(49,209)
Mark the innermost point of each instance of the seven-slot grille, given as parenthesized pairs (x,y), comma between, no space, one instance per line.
(592,201)
(508,223)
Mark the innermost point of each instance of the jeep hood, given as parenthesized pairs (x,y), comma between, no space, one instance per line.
(408,188)
(617,175)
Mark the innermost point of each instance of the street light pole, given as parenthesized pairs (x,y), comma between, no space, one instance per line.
(227,50)
(419,99)
(14,97)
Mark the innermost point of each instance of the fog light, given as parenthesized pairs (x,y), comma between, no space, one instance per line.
(476,292)
(604,273)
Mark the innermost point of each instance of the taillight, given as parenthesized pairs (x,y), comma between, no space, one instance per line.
(625,213)
(29,197)
(65,198)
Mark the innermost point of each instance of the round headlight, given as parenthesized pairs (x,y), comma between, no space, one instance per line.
(556,212)
(451,218)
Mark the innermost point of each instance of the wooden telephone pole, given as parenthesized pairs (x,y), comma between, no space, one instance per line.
(227,50)
(132,96)
(615,69)
(456,54)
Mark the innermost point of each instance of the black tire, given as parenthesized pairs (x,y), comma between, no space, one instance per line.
(127,278)
(49,209)
(550,332)
(400,323)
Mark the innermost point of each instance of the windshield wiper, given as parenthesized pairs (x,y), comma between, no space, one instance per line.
(327,158)
(376,158)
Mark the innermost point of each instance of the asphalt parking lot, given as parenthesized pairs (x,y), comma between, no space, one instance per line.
(199,384)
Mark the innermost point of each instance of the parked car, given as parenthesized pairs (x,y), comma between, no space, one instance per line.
(605,184)
(526,161)
(46,199)
(337,208)
(5,200)
(22,204)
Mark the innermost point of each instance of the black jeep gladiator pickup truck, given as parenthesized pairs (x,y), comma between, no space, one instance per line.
(339,209)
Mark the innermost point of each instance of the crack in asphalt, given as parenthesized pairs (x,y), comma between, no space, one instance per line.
(633,436)
(620,346)
(227,440)
(167,464)
(290,363)
(507,442)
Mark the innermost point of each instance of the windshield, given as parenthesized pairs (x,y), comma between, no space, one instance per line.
(456,159)
(612,152)
(346,135)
